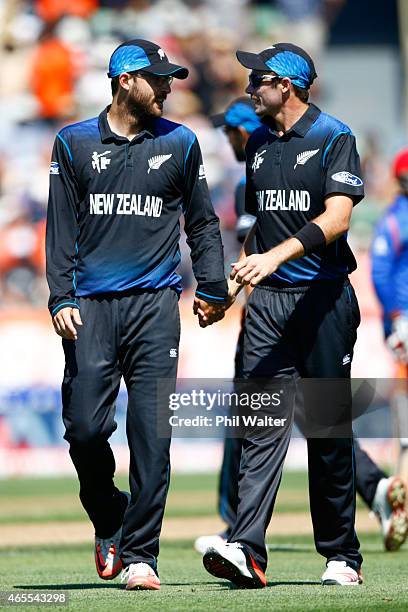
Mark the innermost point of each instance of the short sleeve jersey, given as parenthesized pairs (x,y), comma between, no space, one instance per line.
(288,180)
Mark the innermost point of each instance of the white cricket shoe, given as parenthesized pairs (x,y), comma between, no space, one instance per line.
(388,505)
(203,542)
(140,576)
(338,572)
(107,559)
(233,562)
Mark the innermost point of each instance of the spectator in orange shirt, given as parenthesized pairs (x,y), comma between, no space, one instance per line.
(52,10)
(53,76)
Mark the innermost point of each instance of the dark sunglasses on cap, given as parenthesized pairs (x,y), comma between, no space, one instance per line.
(256,80)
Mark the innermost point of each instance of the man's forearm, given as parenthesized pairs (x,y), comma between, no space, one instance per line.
(331,225)
(327,227)
(331,228)
(335,220)
(287,250)
(207,258)
(233,287)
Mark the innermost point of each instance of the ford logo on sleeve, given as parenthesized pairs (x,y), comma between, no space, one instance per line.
(347,178)
(54,168)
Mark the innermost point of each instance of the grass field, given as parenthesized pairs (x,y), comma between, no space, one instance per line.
(294,566)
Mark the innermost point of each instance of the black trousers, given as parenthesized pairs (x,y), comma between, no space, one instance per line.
(368,474)
(292,333)
(134,335)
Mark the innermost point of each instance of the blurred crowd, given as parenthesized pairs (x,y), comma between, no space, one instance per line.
(54,56)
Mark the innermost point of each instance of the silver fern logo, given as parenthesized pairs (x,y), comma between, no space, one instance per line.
(156,161)
(302,158)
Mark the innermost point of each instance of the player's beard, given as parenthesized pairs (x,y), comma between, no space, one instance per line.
(141,105)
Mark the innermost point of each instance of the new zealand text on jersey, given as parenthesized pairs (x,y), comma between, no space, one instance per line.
(126,204)
(281,199)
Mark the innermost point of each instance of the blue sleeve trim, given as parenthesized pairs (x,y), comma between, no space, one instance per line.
(64,305)
(66,145)
(188,153)
(212,297)
(326,151)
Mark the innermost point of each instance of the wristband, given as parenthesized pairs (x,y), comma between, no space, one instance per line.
(311,236)
(213,292)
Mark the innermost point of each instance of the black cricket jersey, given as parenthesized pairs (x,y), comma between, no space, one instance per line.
(114,209)
(287,181)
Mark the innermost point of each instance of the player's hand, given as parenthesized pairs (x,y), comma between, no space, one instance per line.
(208,313)
(65,322)
(254,268)
(397,342)
(232,292)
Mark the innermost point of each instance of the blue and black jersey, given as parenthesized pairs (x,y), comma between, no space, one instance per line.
(114,209)
(390,260)
(288,180)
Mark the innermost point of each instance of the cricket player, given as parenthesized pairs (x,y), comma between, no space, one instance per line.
(238,122)
(303,179)
(118,185)
(390,278)
(384,495)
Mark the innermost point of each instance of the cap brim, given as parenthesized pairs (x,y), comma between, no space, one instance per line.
(167,69)
(251,61)
(218,120)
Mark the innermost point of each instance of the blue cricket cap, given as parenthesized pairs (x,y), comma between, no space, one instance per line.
(285,59)
(143,55)
(239,113)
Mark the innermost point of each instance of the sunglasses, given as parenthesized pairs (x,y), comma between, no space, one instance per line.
(256,80)
(160,80)
(156,78)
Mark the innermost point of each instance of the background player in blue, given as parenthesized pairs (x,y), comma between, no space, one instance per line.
(390,277)
(239,121)
(302,182)
(384,495)
(118,185)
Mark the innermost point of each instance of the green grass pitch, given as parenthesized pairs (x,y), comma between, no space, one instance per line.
(293,573)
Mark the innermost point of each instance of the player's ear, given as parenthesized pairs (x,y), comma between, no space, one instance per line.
(285,84)
(124,80)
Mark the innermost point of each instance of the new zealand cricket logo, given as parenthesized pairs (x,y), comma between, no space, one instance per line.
(258,160)
(99,161)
